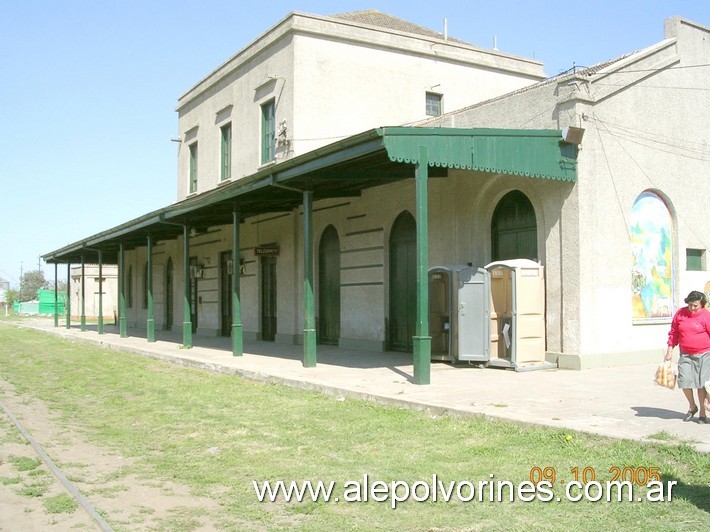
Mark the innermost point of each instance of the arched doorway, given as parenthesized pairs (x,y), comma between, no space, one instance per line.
(168,325)
(403,283)
(514,228)
(329,287)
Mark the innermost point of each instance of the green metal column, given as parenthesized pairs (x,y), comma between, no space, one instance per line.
(121,293)
(150,325)
(56,302)
(101,294)
(422,340)
(309,312)
(237,332)
(187,319)
(83,295)
(68,305)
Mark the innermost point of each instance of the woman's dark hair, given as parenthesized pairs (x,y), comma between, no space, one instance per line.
(696,296)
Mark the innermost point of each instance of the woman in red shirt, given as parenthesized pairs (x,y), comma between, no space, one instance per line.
(690,330)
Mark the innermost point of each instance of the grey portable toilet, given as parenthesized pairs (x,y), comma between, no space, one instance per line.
(458,314)
(517,317)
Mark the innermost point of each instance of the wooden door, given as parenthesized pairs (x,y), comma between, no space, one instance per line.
(403,283)
(268,298)
(168,324)
(329,287)
(225,292)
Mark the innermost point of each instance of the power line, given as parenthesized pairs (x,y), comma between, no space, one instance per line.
(664,143)
(641,168)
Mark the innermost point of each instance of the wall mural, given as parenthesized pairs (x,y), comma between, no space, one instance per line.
(652,253)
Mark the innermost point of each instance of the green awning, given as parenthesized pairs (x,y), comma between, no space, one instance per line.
(529,153)
(340,170)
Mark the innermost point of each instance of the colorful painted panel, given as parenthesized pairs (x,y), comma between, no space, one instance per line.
(652,252)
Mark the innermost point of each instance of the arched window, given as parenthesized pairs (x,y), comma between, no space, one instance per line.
(651,256)
(514,228)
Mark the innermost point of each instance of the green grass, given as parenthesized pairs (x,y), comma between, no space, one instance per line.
(217,433)
(23,463)
(36,489)
(60,504)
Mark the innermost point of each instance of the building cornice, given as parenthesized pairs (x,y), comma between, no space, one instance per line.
(297,23)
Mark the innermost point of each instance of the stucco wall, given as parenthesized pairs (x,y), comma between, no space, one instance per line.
(330,79)
(645,121)
(109,291)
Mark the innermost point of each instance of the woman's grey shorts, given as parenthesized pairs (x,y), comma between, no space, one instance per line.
(693,370)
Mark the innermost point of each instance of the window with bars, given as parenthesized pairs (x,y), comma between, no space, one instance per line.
(433,104)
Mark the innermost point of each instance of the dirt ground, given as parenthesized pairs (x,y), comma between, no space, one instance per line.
(106,479)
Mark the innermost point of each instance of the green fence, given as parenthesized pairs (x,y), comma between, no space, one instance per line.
(43,305)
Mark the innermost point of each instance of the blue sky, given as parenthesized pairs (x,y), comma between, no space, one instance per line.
(89,89)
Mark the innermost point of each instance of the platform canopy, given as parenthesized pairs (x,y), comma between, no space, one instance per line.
(338,170)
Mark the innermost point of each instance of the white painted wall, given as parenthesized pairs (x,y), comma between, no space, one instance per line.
(645,121)
(109,289)
(331,79)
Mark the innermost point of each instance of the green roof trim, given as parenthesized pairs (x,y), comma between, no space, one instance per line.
(368,159)
(522,152)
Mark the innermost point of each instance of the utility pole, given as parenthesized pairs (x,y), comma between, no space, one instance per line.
(20,280)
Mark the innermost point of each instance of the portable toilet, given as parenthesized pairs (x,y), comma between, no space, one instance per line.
(458,313)
(517,315)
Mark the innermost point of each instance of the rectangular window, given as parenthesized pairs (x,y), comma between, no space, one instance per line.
(695,260)
(433,104)
(193,167)
(226,160)
(268,131)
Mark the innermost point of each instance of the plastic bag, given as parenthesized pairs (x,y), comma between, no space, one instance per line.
(665,376)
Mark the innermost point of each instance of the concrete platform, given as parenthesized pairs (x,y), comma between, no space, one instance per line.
(617,402)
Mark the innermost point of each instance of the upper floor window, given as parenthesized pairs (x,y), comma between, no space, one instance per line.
(268,131)
(226,152)
(193,167)
(433,104)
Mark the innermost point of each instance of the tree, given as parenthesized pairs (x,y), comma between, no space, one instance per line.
(11,295)
(30,283)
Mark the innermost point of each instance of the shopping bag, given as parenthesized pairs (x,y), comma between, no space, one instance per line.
(665,376)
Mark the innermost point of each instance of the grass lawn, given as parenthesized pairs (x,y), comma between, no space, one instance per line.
(217,434)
